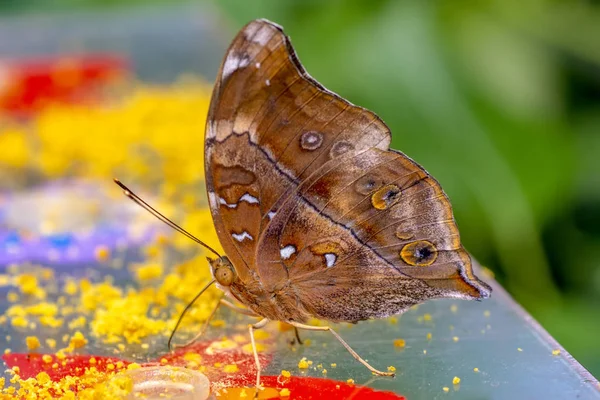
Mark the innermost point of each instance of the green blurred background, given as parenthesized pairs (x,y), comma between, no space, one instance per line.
(500,100)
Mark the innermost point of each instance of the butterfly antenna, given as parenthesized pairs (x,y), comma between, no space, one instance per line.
(138,200)
(185,310)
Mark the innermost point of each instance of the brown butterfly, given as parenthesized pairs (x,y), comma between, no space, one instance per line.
(317,216)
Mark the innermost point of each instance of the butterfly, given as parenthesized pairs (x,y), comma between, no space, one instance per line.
(318,217)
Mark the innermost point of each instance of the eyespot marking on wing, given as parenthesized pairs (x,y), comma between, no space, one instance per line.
(421,253)
(340,148)
(386,197)
(367,184)
(311,140)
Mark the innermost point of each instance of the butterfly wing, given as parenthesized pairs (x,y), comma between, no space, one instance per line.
(269,127)
(367,235)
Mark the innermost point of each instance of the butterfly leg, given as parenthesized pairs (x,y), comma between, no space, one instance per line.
(346,345)
(251,329)
(210,317)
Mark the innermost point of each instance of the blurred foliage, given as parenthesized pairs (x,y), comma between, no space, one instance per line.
(500,100)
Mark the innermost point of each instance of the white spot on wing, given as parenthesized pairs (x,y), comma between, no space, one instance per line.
(257,65)
(287,251)
(262,37)
(240,237)
(268,82)
(271,214)
(248,198)
(234,62)
(330,259)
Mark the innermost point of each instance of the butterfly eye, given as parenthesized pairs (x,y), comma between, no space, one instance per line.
(224,275)
(420,253)
(385,197)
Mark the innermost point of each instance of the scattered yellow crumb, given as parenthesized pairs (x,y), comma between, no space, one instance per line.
(555,352)
(426,317)
(424,351)
(32,342)
(77,340)
(163,361)
(303,364)
(446,389)
(231,368)
(12,297)
(455,380)
(519,349)
(102,253)
(133,366)
(399,342)
(324,371)
(487,313)
(7,351)
(391,368)
(47,358)
(148,272)
(285,392)
(429,336)
(333,365)
(453,308)
(285,374)
(475,369)
(350,381)
(455,338)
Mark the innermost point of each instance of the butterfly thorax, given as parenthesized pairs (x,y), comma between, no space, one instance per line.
(278,305)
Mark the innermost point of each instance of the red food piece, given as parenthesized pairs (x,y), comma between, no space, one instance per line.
(27,85)
(300,387)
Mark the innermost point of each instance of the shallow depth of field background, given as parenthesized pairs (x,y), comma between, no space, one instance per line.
(499,100)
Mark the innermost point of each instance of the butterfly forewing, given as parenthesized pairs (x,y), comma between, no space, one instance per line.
(269,127)
(315,212)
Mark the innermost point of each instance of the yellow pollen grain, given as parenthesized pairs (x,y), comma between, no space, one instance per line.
(446,389)
(47,358)
(455,380)
(555,352)
(455,338)
(399,343)
(391,368)
(487,313)
(285,373)
(77,340)
(475,369)
(102,253)
(285,392)
(453,308)
(163,361)
(133,366)
(427,317)
(429,336)
(350,381)
(32,342)
(519,349)
(303,364)
(333,365)
(324,371)
(12,297)
(230,368)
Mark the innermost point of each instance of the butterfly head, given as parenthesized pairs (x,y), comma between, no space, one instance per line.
(222,270)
